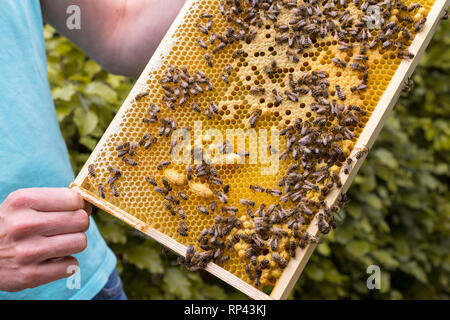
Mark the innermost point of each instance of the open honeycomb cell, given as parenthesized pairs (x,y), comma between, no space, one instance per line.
(250,64)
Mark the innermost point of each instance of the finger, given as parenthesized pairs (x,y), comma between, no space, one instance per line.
(52,270)
(46,199)
(87,207)
(29,223)
(58,223)
(38,249)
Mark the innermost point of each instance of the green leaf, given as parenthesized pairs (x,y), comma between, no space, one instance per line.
(102,90)
(113,232)
(324,249)
(86,121)
(63,110)
(386,158)
(177,283)
(88,142)
(214,292)
(385,258)
(64,93)
(373,201)
(114,80)
(358,247)
(416,271)
(63,48)
(91,68)
(145,257)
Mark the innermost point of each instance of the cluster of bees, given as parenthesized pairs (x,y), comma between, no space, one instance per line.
(267,235)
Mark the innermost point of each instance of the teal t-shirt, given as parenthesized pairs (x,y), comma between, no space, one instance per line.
(32,150)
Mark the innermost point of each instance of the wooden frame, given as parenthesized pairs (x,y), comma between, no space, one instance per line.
(370,132)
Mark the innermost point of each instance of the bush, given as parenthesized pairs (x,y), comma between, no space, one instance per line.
(398,216)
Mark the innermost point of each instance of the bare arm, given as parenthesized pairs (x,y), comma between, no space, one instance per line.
(121,35)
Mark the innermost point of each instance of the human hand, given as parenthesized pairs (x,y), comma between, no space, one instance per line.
(40,228)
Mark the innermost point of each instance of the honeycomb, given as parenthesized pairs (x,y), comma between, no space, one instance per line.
(237,73)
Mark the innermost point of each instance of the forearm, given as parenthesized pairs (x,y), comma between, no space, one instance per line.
(121,35)
(144,25)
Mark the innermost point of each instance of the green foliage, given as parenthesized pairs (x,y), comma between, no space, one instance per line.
(398,216)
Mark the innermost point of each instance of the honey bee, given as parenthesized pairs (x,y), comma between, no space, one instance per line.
(238,53)
(161,190)
(254,117)
(228,69)
(202,44)
(189,254)
(209,25)
(144,138)
(219,47)
(129,161)
(202,28)
(257,90)
(292,57)
(91,170)
(406,55)
(273,243)
(163,164)
(322,224)
(340,93)
(257,188)
(202,209)
(213,205)
(230,209)
(150,142)
(361,153)
(293,247)
(208,113)
(249,273)
(133,147)
(114,171)
(166,184)
(348,166)
(360,58)
(357,66)
(214,107)
(274,192)
(112,179)
(222,197)
(182,195)
(101,190)
(123,146)
(141,95)
(277,96)
(114,189)
(182,229)
(208,59)
(212,38)
(360,87)
(278,259)
(339,62)
(386,44)
(291,96)
(247,202)
(408,85)
(168,206)
(196,107)
(414,6)
(151,180)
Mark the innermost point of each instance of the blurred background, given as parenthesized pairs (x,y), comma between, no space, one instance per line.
(398,216)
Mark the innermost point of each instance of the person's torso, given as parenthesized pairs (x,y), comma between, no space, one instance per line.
(32,150)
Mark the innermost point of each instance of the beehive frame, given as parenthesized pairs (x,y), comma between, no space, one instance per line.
(368,135)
